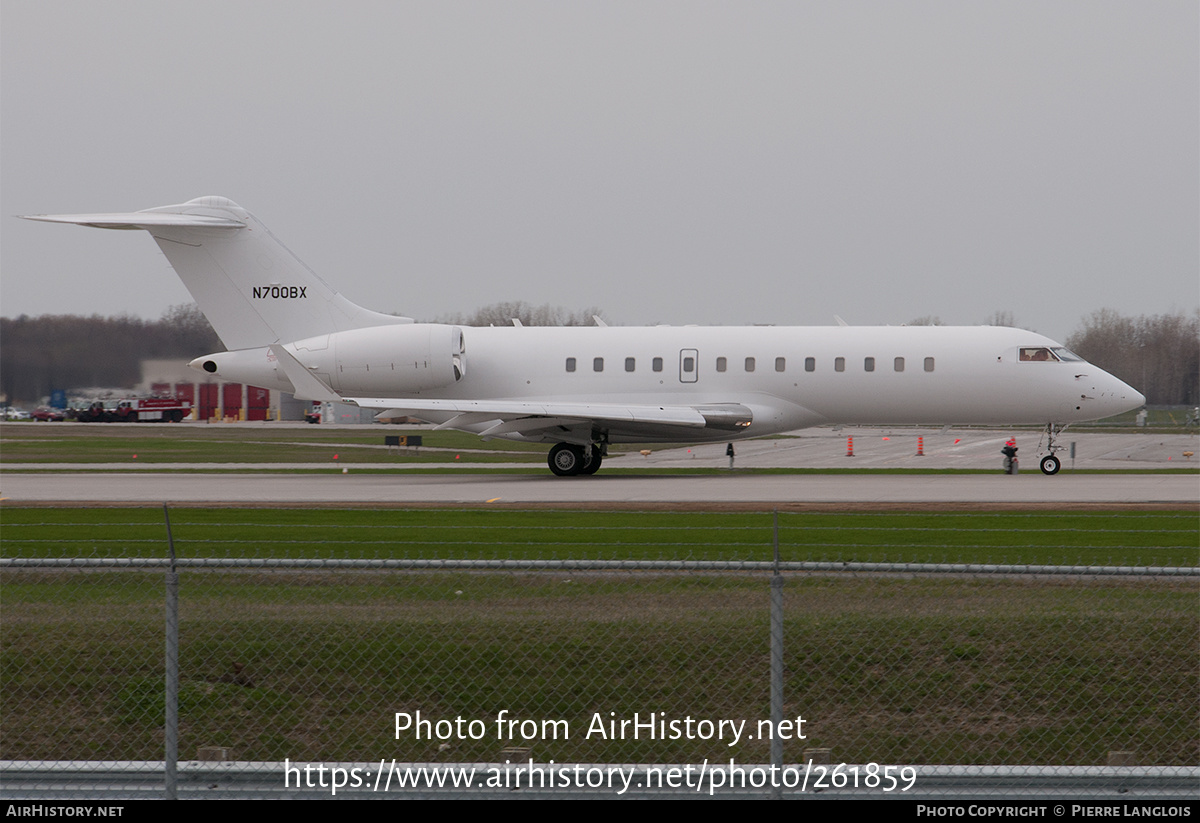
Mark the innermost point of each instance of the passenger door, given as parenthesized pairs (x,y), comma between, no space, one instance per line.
(689,365)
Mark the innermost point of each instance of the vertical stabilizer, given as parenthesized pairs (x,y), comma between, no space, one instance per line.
(252,289)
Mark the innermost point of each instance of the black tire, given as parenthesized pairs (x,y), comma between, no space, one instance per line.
(593,465)
(1051,464)
(565,460)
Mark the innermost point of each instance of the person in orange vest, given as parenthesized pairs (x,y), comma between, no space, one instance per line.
(1010,456)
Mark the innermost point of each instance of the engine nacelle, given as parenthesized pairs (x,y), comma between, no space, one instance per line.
(381,361)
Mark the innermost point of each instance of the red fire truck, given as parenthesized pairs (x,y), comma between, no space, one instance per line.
(136,410)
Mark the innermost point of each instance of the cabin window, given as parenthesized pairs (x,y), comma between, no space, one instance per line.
(839,364)
(656,364)
(630,364)
(868,364)
(721,364)
(1038,354)
(899,364)
(689,365)
(780,363)
(570,364)
(928,364)
(598,364)
(749,364)
(810,364)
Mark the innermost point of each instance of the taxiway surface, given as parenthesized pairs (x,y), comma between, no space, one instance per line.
(392,489)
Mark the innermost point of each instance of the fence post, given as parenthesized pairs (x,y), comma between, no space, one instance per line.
(171,719)
(777,667)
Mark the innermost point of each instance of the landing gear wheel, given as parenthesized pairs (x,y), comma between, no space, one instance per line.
(593,465)
(565,460)
(1051,464)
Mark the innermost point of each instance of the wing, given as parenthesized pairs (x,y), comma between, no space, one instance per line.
(493,418)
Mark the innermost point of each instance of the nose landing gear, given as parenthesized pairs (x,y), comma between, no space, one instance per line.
(1051,463)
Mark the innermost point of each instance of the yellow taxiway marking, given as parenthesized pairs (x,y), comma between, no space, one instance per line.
(493,500)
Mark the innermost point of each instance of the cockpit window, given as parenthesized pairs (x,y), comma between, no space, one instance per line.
(1067,355)
(1040,354)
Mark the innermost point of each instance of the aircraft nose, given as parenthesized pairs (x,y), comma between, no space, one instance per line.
(1101,395)
(1120,396)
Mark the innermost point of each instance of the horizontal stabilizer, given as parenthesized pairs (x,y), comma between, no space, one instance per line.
(141,220)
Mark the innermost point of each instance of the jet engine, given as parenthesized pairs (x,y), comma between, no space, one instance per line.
(381,361)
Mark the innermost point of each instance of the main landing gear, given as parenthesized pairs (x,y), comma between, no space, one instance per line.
(1051,463)
(567,459)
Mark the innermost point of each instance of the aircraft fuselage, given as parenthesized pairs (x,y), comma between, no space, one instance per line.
(789,377)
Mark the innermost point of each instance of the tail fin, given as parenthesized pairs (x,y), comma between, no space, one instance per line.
(252,289)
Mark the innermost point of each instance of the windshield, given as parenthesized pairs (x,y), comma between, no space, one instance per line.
(1067,355)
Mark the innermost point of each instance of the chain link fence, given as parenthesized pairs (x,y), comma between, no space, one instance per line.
(494,663)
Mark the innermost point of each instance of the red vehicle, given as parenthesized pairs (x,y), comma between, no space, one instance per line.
(138,410)
(44,414)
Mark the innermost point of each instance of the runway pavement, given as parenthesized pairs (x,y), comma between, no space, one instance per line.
(352,488)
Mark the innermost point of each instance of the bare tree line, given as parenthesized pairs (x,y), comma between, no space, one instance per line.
(1158,354)
(503,314)
(62,351)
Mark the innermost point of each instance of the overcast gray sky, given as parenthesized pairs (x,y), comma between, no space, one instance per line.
(678,162)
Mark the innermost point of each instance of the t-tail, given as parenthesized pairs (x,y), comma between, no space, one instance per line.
(252,289)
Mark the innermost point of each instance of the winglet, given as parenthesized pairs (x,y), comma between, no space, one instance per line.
(306,385)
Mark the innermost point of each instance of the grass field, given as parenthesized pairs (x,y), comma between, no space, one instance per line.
(1138,538)
(313,665)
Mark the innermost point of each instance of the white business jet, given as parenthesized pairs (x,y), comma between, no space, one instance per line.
(583,389)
